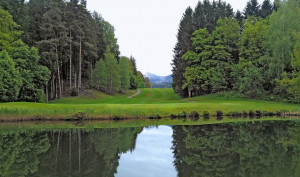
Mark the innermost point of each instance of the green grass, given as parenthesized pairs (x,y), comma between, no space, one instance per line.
(163,102)
(91,125)
(156,96)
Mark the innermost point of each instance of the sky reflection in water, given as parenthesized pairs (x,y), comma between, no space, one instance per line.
(152,156)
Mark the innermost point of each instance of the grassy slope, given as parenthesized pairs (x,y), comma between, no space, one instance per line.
(160,101)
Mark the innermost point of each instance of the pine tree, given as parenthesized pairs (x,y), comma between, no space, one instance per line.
(239,17)
(252,9)
(182,46)
(266,9)
(54,32)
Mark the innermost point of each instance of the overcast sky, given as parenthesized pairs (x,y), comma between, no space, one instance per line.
(146,29)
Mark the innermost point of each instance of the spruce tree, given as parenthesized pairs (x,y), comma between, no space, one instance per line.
(266,9)
(183,45)
(252,9)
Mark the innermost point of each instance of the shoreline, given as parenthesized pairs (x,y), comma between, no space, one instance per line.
(81,116)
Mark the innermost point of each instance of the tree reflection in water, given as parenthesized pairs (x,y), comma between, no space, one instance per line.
(259,149)
(254,149)
(72,152)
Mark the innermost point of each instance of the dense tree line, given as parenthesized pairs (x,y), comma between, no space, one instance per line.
(110,76)
(254,53)
(71,42)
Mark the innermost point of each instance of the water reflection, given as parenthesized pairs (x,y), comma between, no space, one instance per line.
(65,152)
(152,155)
(254,149)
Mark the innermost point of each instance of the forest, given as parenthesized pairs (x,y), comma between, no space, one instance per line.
(253,54)
(54,48)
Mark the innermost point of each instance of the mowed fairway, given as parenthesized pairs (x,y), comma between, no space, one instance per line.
(162,102)
(147,96)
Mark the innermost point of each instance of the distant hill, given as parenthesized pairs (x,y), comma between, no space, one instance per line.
(160,81)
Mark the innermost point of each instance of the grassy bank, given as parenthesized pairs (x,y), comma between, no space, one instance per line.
(151,102)
(91,125)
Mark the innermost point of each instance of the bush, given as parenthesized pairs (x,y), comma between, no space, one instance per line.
(154,116)
(193,114)
(206,115)
(182,114)
(258,113)
(251,113)
(219,113)
(74,92)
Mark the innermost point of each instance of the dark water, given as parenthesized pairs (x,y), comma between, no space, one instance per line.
(250,149)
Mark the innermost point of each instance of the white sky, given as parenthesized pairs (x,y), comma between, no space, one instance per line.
(146,29)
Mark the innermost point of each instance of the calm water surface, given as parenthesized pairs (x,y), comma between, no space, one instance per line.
(250,149)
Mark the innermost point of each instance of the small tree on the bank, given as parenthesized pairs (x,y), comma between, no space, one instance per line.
(147,82)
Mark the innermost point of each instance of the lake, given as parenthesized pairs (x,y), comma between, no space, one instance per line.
(255,149)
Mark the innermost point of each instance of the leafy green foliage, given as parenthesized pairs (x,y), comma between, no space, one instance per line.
(124,72)
(147,82)
(34,76)
(204,16)
(279,36)
(210,62)
(140,80)
(113,73)
(251,45)
(10,80)
(292,84)
(30,79)
(257,53)
(9,31)
(20,147)
(99,76)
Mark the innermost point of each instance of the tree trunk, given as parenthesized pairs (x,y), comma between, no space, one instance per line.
(79,151)
(70,61)
(57,149)
(51,88)
(79,73)
(55,89)
(47,99)
(70,149)
(75,80)
(58,73)
(190,93)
